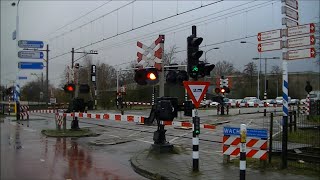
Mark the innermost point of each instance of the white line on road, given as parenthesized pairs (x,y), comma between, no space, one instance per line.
(179,137)
(149,142)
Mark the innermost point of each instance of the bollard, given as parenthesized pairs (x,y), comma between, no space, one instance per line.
(270,138)
(290,121)
(295,121)
(227,110)
(243,137)
(64,122)
(264,112)
(284,148)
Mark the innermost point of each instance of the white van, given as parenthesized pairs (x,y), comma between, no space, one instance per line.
(314,95)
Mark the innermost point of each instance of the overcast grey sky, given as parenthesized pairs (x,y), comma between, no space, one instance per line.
(223,24)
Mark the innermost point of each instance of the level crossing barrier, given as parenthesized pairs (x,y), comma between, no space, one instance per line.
(119,117)
(256,143)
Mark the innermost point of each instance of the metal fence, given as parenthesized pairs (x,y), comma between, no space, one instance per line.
(299,146)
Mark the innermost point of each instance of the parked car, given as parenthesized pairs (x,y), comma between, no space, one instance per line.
(280,100)
(255,102)
(294,102)
(314,95)
(214,104)
(244,103)
(230,102)
(248,98)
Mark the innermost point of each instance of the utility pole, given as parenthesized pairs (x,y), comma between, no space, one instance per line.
(47,76)
(75,122)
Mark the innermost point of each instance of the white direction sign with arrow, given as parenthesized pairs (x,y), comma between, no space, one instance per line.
(301,54)
(273,34)
(301,41)
(292,3)
(289,22)
(303,29)
(269,46)
(196,90)
(290,12)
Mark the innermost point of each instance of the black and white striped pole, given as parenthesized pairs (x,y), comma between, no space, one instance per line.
(195,140)
(243,136)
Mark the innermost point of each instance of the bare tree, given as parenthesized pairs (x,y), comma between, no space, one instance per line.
(169,55)
(249,71)
(223,68)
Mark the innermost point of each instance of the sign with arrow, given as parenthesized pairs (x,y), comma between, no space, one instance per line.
(269,46)
(301,54)
(301,41)
(30,55)
(196,90)
(290,12)
(30,44)
(289,22)
(292,3)
(303,29)
(30,65)
(273,34)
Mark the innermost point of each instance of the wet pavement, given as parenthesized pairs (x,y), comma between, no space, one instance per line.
(179,166)
(27,154)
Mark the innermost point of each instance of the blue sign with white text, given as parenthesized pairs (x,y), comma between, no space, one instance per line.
(30,65)
(30,44)
(22,77)
(260,133)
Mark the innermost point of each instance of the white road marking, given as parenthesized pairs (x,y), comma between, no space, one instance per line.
(134,133)
(144,141)
(114,136)
(178,137)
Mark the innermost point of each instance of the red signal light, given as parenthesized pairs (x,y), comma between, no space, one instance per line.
(151,76)
(69,88)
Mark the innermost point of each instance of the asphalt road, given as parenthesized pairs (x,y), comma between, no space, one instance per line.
(27,154)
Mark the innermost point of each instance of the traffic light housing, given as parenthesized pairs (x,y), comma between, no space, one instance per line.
(84,88)
(69,88)
(194,54)
(196,124)
(146,76)
(171,77)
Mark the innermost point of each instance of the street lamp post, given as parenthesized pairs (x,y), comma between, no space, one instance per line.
(17,48)
(258,81)
(205,54)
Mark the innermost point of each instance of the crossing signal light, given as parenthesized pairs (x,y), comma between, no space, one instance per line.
(147,76)
(196,123)
(171,77)
(194,54)
(205,69)
(69,88)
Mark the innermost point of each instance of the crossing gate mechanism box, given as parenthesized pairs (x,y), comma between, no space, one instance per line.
(256,142)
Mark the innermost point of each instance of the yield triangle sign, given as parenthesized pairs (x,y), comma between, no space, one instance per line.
(196,90)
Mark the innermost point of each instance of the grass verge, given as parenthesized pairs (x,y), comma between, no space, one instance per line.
(294,167)
(84,132)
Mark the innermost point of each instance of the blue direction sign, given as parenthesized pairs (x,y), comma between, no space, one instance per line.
(259,133)
(30,54)
(22,77)
(30,65)
(30,44)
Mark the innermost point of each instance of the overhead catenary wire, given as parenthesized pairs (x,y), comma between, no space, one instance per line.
(139,27)
(204,21)
(78,18)
(151,35)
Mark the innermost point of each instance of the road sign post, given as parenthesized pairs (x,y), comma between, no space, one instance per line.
(196,91)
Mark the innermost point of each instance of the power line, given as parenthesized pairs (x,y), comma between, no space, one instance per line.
(62,34)
(151,35)
(133,29)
